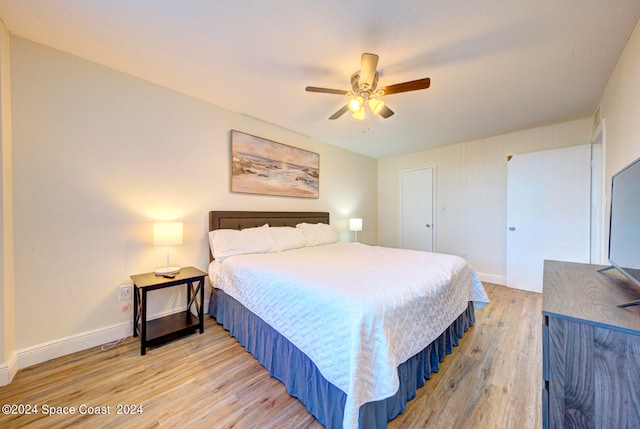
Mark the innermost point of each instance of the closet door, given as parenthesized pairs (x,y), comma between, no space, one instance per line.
(416,212)
(548,212)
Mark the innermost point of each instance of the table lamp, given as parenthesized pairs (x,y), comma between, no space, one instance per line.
(355,225)
(167,234)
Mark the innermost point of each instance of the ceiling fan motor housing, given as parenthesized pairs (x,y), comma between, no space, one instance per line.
(363,89)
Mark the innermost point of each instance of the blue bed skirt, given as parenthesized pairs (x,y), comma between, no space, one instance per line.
(299,374)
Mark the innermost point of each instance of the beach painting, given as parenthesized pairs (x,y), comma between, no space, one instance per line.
(265,167)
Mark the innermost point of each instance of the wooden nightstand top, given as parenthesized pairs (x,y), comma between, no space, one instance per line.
(186,274)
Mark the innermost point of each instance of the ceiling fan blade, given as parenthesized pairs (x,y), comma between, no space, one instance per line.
(407,86)
(339,112)
(326,90)
(386,112)
(368,65)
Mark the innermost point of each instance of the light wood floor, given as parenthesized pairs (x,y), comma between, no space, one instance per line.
(492,380)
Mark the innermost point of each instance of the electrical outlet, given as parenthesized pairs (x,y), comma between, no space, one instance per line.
(125,293)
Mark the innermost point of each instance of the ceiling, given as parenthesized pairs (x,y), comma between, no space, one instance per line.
(496,66)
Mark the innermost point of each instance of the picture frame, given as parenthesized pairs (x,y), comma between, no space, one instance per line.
(265,167)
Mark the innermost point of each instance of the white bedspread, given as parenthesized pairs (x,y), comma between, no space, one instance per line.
(356,311)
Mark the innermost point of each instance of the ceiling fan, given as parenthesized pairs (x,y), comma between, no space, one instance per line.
(365,91)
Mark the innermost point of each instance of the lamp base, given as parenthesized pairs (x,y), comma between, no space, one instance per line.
(166,271)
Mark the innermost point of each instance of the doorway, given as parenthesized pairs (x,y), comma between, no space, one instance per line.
(548,212)
(417,195)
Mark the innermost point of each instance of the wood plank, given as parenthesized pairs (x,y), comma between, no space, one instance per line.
(492,380)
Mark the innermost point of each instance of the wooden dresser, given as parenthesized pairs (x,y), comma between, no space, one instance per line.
(590,348)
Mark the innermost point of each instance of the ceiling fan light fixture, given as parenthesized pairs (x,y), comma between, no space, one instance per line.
(376,106)
(364,87)
(355,104)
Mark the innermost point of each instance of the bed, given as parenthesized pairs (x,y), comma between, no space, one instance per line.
(351,330)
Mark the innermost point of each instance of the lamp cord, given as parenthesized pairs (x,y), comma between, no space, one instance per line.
(112,344)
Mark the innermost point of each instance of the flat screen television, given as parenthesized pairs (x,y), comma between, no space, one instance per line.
(624,226)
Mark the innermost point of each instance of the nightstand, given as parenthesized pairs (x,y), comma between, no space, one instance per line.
(176,325)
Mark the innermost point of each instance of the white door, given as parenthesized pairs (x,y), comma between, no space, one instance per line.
(548,212)
(416,212)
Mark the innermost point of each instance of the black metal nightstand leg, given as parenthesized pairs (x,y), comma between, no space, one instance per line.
(201,315)
(143,323)
(136,311)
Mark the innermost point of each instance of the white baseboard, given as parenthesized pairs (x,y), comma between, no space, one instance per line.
(71,344)
(8,370)
(56,348)
(493,278)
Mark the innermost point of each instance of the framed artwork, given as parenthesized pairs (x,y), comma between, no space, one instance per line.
(265,167)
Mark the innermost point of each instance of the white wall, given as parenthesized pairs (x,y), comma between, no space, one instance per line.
(98,156)
(7,286)
(620,109)
(471,189)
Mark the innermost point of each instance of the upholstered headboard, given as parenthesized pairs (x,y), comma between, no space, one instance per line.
(250,219)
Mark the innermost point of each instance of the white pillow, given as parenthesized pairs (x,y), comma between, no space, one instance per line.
(288,238)
(229,242)
(318,233)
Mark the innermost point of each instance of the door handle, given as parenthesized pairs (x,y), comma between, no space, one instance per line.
(428,225)
(512,228)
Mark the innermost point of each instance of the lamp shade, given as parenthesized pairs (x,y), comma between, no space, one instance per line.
(355,224)
(355,104)
(167,233)
(359,114)
(376,106)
